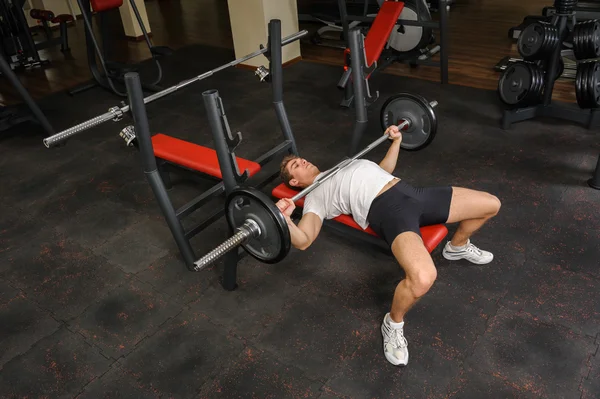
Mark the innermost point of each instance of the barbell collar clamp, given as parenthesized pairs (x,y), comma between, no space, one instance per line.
(248,230)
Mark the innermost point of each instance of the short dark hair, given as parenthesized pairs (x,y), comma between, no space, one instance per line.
(283,171)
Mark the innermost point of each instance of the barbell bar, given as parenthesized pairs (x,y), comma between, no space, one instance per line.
(261,228)
(116,113)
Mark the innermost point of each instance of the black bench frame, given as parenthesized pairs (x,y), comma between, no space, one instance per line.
(224,145)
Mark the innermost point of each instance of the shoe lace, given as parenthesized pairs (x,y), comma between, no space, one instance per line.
(473,249)
(397,338)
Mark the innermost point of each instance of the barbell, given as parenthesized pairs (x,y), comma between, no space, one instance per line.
(260,227)
(116,113)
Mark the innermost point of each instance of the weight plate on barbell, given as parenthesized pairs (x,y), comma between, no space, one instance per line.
(420,114)
(516,83)
(274,242)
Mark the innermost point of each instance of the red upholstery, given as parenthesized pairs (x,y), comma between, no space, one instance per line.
(194,156)
(62,18)
(381,29)
(432,235)
(104,5)
(42,15)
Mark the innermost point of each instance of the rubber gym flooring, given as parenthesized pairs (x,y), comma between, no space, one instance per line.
(95,302)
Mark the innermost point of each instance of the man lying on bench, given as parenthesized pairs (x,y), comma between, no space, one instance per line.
(395,211)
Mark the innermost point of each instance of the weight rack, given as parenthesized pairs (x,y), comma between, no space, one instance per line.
(590,118)
(224,145)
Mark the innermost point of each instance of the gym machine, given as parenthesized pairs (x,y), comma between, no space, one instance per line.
(47,16)
(16,43)
(113,72)
(12,116)
(377,53)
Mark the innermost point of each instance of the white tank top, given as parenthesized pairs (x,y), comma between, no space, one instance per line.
(351,192)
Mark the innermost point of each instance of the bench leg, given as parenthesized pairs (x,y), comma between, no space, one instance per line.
(64,38)
(229,280)
(164,174)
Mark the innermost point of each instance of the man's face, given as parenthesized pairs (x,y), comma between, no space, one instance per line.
(303,172)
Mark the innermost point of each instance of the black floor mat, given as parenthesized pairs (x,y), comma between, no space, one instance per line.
(95,300)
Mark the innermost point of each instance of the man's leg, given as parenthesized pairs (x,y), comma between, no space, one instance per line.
(472,209)
(411,254)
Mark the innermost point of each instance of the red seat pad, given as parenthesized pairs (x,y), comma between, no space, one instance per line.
(62,18)
(194,156)
(381,29)
(103,5)
(432,235)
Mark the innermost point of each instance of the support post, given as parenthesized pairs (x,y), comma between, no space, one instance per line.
(358,84)
(276,70)
(142,129)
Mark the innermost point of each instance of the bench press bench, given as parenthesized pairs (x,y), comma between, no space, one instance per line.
(432,235)
(195,157)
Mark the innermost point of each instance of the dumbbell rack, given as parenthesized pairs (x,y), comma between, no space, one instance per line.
(587,117)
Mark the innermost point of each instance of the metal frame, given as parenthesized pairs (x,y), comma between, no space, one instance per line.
(13,14)
(225,143)
(39,116)
(589,118)
(104,78)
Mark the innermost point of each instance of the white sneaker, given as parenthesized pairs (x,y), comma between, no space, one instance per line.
(395,346)
(469,252)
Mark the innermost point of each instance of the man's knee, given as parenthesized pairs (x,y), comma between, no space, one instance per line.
(494,204)
(421,281)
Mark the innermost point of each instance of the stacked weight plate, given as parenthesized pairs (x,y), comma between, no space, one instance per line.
(586,46)
(586,39)
(538,41)
(522,83)
(587,84)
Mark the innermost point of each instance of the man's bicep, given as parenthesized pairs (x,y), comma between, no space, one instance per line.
(311,224)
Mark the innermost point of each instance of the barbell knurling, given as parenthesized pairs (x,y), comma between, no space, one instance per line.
(248,230)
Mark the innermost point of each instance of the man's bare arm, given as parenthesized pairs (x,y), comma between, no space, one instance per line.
(306,232)
(391,158)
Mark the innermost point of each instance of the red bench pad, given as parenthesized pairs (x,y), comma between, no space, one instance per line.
(380,31)
(104,5)
(432,235)
(194,156)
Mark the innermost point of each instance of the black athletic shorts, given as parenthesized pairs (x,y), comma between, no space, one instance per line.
(405,208)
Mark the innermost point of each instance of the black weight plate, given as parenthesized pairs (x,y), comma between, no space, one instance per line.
(515,83)
(578,81)
(581,85)
(274,242)
(596,39)
(595,86)
(587,40)
(416,109)
(589,87)
(579,40)
(584,74)
(537,86)
(531,41)
(592,84)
